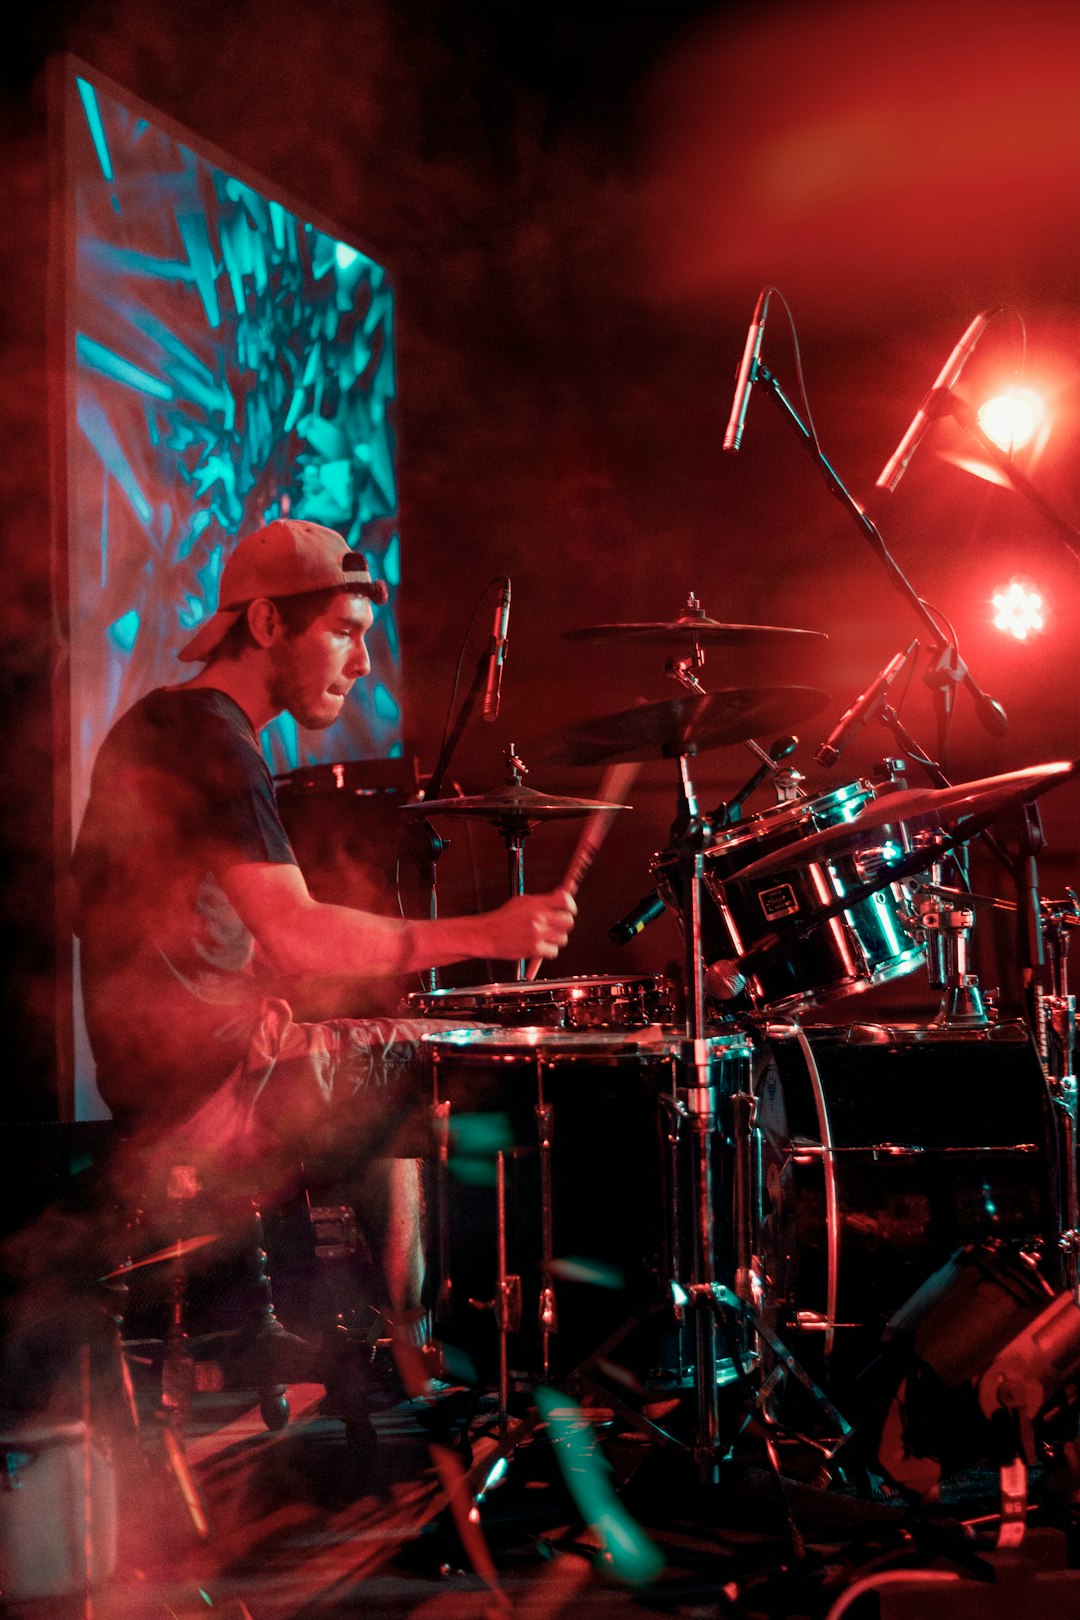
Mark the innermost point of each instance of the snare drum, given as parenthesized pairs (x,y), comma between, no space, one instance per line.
(582,1002)
(878,1152)
(864,946)
(583,1121)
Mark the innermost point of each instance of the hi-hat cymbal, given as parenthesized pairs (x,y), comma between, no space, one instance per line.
(684,725)
(694,628)
(514,803)
(939,807)
(172,1251)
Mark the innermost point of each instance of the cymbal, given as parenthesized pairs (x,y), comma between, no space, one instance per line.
(691,628)
(512,803)
(171,1251)
(938,806)
(684,725)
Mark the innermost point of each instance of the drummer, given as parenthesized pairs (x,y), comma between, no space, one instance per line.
(190,906)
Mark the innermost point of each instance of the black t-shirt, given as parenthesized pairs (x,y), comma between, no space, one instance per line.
(180,793)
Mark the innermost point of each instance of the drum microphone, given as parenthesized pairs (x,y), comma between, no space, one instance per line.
(862,709)
(726,814)
(747,374)
(648,908)
(933,405)
(497,653)
(651,906)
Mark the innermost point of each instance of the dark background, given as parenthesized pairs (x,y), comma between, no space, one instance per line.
(579,203)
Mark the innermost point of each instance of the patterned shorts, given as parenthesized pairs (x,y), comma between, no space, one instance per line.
(346,1089)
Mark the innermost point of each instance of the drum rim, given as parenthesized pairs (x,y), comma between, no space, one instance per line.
(515,989)
(766,823)
(640,1042)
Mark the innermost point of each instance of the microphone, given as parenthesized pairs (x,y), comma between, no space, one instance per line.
(992,716)
(497,653)
(648,908)
(947,378)
(651,906)
(726,814)
(862,708)
(747,374)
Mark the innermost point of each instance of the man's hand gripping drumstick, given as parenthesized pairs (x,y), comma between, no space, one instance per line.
(617,782)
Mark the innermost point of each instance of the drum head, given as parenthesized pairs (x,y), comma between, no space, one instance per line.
(898,1145)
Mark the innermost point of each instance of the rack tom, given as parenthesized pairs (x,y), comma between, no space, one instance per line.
(863,946)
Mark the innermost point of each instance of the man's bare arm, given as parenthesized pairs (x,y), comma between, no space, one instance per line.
(301,935)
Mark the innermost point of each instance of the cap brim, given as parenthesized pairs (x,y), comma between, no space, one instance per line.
(208,635)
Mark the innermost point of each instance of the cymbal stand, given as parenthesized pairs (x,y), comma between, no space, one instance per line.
(698,1104)
(687,671)
(438,776)
(513,830)
(947,923)
(1059,1026)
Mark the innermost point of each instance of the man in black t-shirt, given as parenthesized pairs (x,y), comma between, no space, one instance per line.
(190,904)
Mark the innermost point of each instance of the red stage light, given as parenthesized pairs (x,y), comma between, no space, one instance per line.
(1020,611)
(1012,419)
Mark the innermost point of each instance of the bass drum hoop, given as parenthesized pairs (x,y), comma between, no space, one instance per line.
(833,1161)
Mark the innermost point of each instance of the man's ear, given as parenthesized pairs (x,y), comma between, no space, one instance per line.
(264,621)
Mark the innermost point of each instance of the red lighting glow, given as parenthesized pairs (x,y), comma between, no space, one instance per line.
(1019,610)
(1012,419)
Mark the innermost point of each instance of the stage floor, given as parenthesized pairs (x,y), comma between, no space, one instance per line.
(293,1530)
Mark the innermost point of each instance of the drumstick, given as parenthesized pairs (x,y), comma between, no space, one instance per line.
(616,784)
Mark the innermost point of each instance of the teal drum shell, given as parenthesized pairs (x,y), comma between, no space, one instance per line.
(863,946)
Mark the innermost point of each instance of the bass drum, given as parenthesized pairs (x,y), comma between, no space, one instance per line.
(582,1002)
(879,1150)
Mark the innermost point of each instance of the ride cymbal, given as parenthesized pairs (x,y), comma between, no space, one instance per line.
(684,725)
(694,628)
(938,806)
(515,802)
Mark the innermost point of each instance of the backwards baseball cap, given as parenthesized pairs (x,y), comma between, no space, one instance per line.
(286,558)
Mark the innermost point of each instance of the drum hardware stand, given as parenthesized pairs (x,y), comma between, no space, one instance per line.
(785,781)
(687,671)
(506,1305)
(1059,1031)
(718,1310)
(434,784)
(699,1101)
(429,847)
(946,925)
(513,830)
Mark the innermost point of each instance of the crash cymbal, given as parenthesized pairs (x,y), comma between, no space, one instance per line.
(172,1251)
(693,629)
(940,807)
(515,802)
(684,725)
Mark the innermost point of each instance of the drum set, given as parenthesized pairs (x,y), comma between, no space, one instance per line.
(683,1184)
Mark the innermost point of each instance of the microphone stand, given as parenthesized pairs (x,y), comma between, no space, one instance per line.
(948,669)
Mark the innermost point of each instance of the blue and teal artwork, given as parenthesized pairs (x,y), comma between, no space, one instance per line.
(232,362)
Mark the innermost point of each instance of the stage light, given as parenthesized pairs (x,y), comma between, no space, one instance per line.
(1020,611)
(1012,419)
(977,1356)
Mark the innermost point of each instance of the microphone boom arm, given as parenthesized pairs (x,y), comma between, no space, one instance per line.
(990,713)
